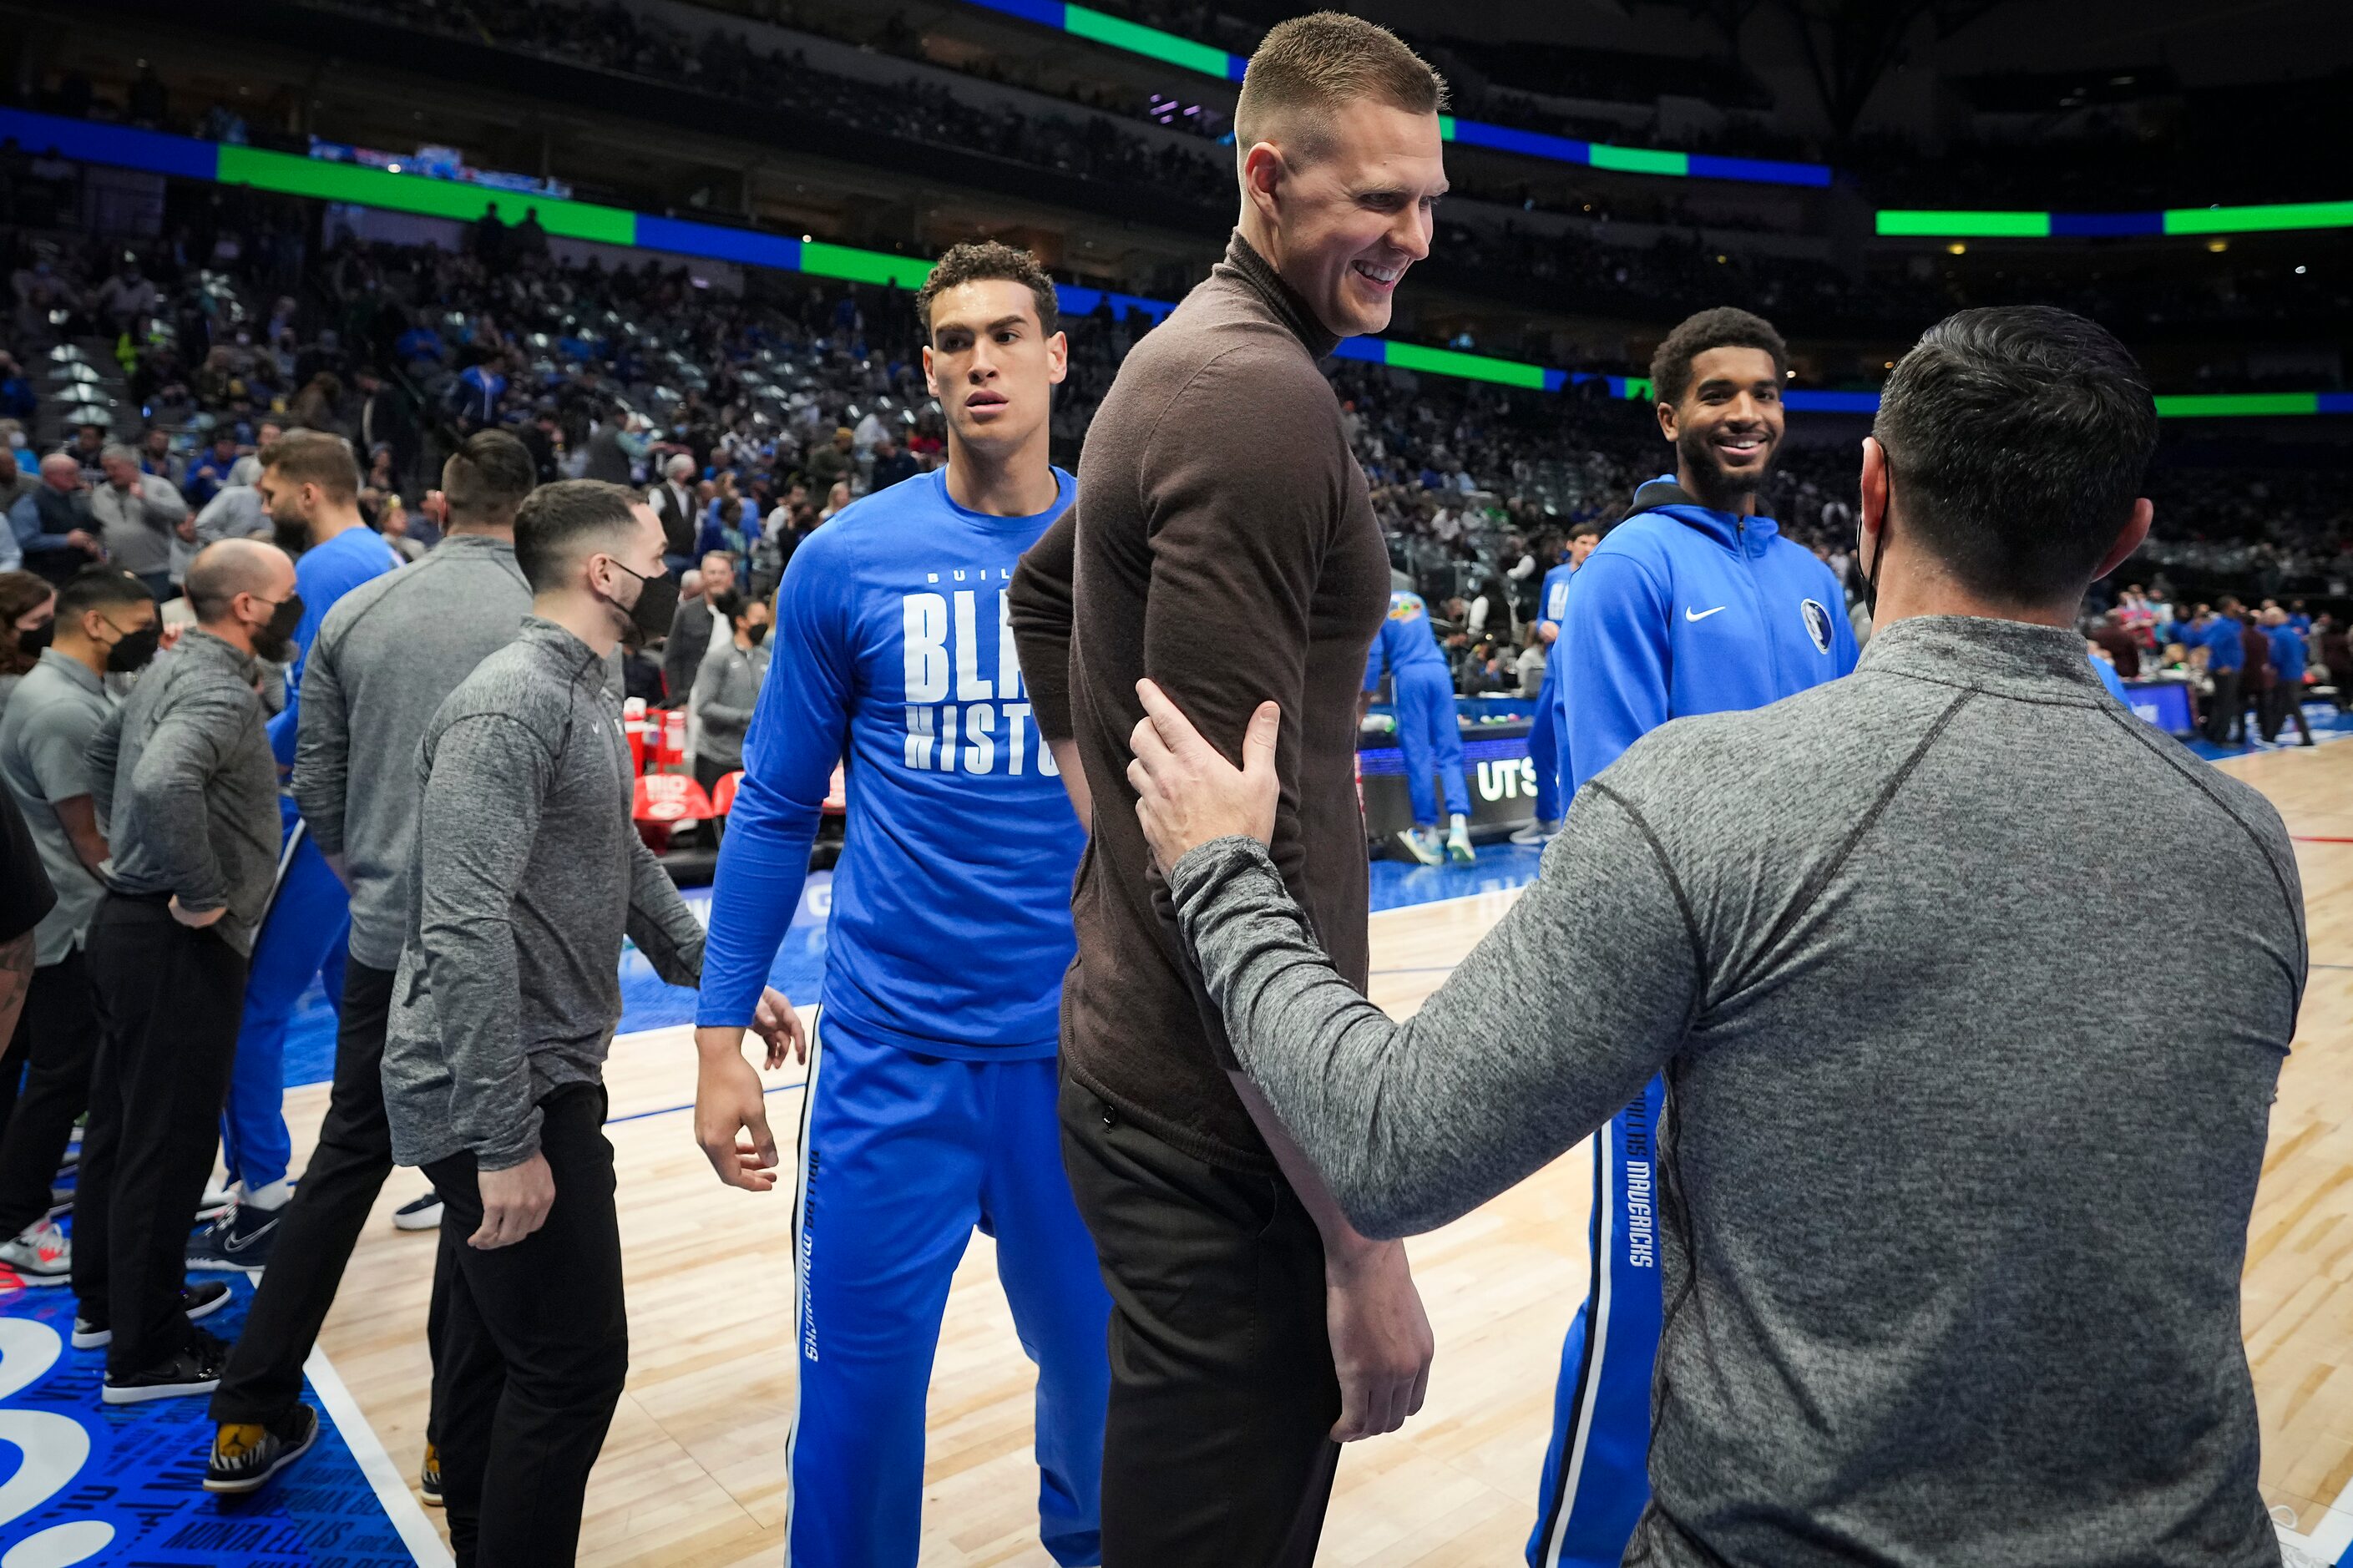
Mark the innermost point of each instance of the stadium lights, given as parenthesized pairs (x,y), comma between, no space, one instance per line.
(183,157)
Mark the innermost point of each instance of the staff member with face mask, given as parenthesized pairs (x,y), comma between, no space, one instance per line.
(187,798)
(106,623)
(526,873)
(310,483)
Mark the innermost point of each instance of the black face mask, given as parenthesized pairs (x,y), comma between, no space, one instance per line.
(275,640)
(656,603)
(34,640)
(758,632)
(1878,562)
(136,650)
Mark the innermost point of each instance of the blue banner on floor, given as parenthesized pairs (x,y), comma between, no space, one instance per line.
(93,1483)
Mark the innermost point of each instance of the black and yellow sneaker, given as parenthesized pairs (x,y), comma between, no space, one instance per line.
(428,1480)
(247,1454)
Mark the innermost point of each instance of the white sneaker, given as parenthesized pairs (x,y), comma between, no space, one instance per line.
(1458,841)
(216,1202)
(1425,850)
(418,1213)
(1537,832)
(40,1255)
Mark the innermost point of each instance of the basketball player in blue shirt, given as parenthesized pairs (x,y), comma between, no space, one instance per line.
(1422,688)
(1693,603)
(1548,729)
(932,1079)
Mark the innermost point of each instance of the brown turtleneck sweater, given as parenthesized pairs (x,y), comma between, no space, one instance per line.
(1224,545)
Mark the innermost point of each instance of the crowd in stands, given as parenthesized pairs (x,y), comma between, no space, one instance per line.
(777,406)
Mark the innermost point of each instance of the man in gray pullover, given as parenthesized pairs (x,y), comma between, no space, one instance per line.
(185,791)
(526,872)
(1949,1209)
(384,659)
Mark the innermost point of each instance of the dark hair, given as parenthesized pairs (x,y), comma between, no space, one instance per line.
(1306,70)
(977,261)
(2017,440)
(1591,525)
(729,606)
(315,457)
(95,587)
(1723,327)
(19,592)
(486,478)
(556,521)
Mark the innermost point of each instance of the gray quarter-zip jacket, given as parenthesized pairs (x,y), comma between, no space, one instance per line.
(384,658)
(185,787)
(727,689)
(525,874)
(1952,1194)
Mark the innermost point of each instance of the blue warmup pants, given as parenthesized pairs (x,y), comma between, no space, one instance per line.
(1545,736)
(1597,1467)
(1426,730)
(903,1155)
(305,933)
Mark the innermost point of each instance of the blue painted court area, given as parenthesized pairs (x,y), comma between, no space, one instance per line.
(89,1483)
(2327,725)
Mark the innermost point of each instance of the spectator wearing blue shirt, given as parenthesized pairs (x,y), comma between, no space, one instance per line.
(209,473)
(17,398)
(2226,661)
(2285,700)
(310,482)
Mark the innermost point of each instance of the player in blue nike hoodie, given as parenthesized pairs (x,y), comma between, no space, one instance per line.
(1691,605)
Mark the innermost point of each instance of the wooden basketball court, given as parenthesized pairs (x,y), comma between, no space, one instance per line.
(694,1475)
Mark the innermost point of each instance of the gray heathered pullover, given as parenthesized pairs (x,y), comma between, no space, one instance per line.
(385,655)
(1952,1191)
(185,787)
(525,874)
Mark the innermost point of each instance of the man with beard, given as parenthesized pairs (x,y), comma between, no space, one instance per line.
(311,484)
(1692,604)
(184,784)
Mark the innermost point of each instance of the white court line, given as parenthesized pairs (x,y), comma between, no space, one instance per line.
(400,1505)
(2332,1533)
(1454,899)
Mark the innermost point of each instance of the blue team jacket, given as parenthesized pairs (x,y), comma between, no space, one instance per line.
(2288,652)
(1683,610)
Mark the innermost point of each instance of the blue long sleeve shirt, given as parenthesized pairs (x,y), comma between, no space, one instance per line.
(2287,653)
(1683,610)
(324,574)
(2225,644)
(1407,640)
(951,922)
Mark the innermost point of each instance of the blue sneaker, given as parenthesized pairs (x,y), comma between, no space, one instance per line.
(236,1243)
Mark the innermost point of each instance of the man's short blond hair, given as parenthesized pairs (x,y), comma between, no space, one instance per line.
(1310,67)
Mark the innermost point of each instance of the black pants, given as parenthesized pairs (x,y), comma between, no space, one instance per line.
(2283,704)
(2225,710)
(61,1026)
(1218,1447)
(168,999)
(535,1346)
(322,1224)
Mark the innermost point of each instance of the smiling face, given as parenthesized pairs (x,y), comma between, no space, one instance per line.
(1728,425)
(991,363)
(1343,207)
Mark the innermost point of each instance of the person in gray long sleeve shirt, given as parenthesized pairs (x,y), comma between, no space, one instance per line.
(526,873)
(727,688)
(385,658)
(185,791)
(1950,1207)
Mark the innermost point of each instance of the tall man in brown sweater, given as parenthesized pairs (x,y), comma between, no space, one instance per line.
(1223,544)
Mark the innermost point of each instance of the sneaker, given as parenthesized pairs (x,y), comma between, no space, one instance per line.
(40,1256)
(196,1368)
(245,1455)
(201,1299)
(428,1480)
(1458,842)
(1424,849)
(1537,832)
(216,1202)
(418,1213)
(237,1243)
